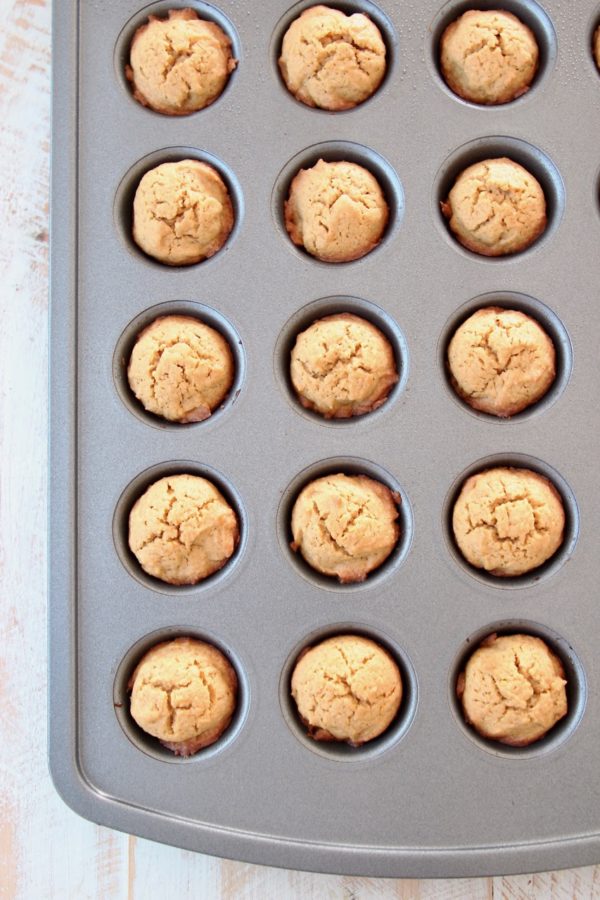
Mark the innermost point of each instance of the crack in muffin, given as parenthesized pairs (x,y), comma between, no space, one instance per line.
(496,207)
(336,211)
(346,688)
(179,64)
(180,369)
(184,693)
(508,521)
(330,60)
(488,56)
(501,361)
(342,366)
(513,689)
(345,526)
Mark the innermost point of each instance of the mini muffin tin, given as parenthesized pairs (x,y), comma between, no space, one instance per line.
(429,797)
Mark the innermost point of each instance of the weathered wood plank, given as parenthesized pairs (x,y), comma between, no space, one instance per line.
(45,850)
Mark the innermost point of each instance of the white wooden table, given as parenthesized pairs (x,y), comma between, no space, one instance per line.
(45,849)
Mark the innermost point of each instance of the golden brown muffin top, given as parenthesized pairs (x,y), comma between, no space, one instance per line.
(182,529)
(345,525)
(513,689)
(488,56)
(182,212)
(501,361)
(336,211)
(331,60)
(496,207)
(180,368)
(347,688)
(183,692)
(179,64)
(342,365)
(508,521)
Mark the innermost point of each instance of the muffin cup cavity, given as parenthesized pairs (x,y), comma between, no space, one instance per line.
(128,338)
(123,205)
(571,529)
(137,487)
(349,7)
(545,317)
(348,465)
(531,158)
(160,10)
(336,750)
(574,675)
(330,306)
(528,11)
(338,151)
(151,746)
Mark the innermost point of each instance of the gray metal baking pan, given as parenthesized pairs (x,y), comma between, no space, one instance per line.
(428,798)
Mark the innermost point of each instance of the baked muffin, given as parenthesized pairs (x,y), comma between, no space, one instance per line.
(179,64)
(183,692)
(347,688)
(345,525)
(596,46)
(513,689)
(508,521)
(342,366)
(182,529)
(180,369)
(501,361)
(488,56)
(182,212)
(336,211)
(331,60)
(496,207)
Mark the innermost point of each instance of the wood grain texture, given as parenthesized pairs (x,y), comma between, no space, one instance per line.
(45,850)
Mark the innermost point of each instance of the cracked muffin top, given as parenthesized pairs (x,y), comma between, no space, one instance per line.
(331,60)
(180,64)
(182,212)
(183,692)
(508,521)
(496,207)
(345,525)
(488,56)
(342,366)
(182,529)
(347,688)
(513,689)
(336,211)
(180,369)
(501,361)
